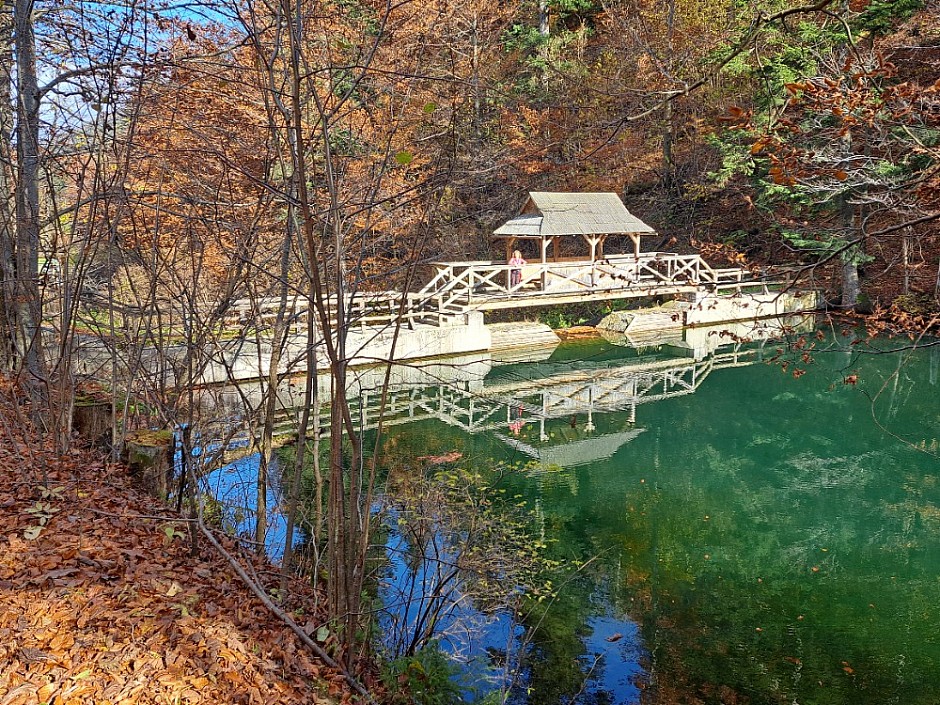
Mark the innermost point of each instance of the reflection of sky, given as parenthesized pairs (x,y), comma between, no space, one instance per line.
(614,665)
(235,486)
(613,647)
(466,634)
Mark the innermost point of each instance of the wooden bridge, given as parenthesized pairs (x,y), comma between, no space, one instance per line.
(486,286)
(548,224)
(458,288)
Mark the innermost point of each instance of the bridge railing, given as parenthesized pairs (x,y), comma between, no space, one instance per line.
(459,286)
(363,309)
(459,283)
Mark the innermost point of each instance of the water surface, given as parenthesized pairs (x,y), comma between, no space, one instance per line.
(762,528)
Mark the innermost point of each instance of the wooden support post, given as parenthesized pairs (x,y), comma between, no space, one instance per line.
(509,247)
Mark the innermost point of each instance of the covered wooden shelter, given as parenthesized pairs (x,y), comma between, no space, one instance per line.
(547,217)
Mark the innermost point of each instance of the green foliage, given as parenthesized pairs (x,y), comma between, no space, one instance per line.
(344,83)
(546,58)
(556,318)
(787,55)
(404,158)
(427,678)
(813,242)
(565,8)
(522,38)
(881,16)
(926,136)
(361,12)
(840,141)
(735,159)
(345,144)
(556,54)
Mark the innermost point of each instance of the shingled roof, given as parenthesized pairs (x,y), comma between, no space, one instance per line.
(549,214)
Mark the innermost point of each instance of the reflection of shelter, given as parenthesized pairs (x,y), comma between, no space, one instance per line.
(574,453)
(579,394)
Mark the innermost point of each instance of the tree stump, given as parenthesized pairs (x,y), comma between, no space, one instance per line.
(149,457)
(91,419)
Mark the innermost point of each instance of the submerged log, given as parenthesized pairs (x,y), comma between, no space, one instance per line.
(149,456)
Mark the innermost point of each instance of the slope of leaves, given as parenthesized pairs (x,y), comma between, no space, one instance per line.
(102,605)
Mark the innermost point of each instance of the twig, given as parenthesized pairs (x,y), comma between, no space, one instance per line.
(284,617)
(155,517)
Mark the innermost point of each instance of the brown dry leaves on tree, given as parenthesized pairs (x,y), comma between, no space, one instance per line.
(101,606)
(202,154)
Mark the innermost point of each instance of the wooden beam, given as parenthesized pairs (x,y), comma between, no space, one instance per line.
(500,302)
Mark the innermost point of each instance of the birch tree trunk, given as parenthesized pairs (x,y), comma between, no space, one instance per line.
(27,303)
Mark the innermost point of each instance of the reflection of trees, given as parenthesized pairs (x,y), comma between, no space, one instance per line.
(755,603)
(554,664)
(757,541)
(456,549)
(796,557)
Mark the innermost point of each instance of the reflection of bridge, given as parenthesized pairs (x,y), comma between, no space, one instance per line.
(503,407)
(545,409)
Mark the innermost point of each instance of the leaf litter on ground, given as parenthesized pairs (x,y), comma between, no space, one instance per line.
(97,607)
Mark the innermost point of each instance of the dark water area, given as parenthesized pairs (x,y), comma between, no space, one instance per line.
(757,528)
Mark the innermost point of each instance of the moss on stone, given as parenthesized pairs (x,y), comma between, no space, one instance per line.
(160,438)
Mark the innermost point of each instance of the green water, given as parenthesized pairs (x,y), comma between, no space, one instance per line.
(775,538)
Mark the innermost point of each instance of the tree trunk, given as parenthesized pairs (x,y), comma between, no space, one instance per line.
(7,207)
(27,302)
(668,161)
(475,77)
(278,340)
(906,257)
(851,289)
(669,168)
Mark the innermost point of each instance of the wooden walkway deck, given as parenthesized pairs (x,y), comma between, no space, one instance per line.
(487,286)
(458,288)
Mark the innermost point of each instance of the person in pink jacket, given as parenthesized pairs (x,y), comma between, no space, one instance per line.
(515,274)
